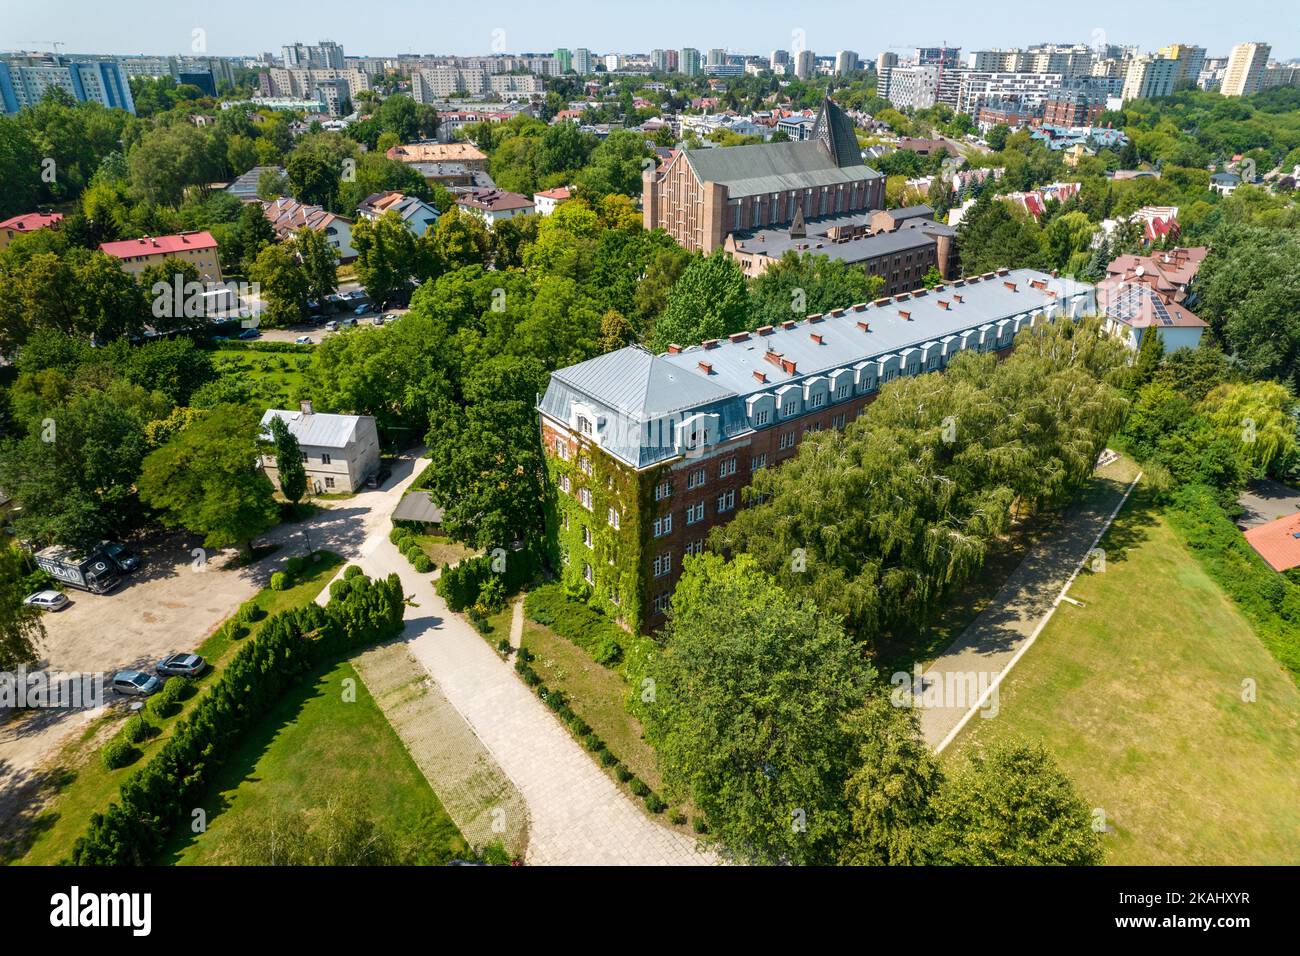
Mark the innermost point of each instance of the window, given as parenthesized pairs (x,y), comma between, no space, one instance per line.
(663,564)
(869,383)
(838,421)
(565,484)
(562,449)
(726,468)
(329,482)
(757,462)
(817,400)
(695,547)
(663,526)
(843,391)
(695,478)
(761,416)
(613,518)
(584,495)
(586,536)
(726,501)
(663,490)
(787,440)
(324,459)
(661,602)
(304,458)
(932,362)
(695,513)
(789,408)
(584,424)
(585,464)
(588,575)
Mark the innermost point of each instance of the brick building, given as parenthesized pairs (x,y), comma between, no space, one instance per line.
(700,196)
(648,452)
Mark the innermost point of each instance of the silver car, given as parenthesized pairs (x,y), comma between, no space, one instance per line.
(47,600)
(135,683)
(181,665)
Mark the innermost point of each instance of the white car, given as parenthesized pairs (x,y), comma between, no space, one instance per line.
(302,340)
(331,325)
(47,600)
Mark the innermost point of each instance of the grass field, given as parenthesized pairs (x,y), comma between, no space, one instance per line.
(1139,694)
(84,786)
(278,379)
(596,694)
(316,745)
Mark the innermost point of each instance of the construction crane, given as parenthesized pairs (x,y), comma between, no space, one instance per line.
(54,43)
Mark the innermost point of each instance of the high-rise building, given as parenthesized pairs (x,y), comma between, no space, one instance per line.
(565,59)
(846,61)
(611,62)
(1148,77)
(24,80)
(1245,70)
(1190,61)
(717,57)
(938,56)
(886,60)
(805,64)
(660,61)
(779,58)
(582,62)
(688,61)
(325,55)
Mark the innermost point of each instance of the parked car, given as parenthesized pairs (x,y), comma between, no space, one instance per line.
(378,320)
(135,683)
(302,340)
(379,476)
(347,323)
(181,665)
(251,334)
(331,325)
(362,309)
(122,557)
(47,600)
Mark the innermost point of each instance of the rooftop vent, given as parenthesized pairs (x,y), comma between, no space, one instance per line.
(711,343)
(761,376)
(706,368)
(738,337)
(816,337)
(817,317)
(673,348)
(906,315)
(1010,285)
(864,326)
(836,313)
(957,296)
(943,304)
(788,324)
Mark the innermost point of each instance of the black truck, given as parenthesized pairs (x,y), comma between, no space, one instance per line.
(95,573)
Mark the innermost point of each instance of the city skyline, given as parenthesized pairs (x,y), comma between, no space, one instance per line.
(241,27)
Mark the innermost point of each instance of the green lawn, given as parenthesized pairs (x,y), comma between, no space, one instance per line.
(596,694)
(278,379)
(316,745)
(84,786)
(442,550)
(1139,696)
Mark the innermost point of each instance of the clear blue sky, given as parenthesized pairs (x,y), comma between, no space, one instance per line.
(378,27)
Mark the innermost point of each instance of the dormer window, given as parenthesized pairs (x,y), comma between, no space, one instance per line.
(584,425)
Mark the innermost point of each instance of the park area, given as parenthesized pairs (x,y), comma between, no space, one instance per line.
(1160,702)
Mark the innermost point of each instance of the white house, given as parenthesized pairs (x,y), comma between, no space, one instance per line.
(494,205)
(546,201)
(338,451)
(416,214)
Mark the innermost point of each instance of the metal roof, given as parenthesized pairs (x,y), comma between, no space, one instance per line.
(773,167)
(640,391)
(317,429)
(417,506)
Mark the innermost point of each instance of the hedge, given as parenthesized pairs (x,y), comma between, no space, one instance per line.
(460,584)
(289,646)
(576,622)
(258,345)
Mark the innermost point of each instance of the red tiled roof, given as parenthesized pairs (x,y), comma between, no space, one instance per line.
(159,245)
(32,221)
(1278,542)
(494,200)
(559,192)
(289,215)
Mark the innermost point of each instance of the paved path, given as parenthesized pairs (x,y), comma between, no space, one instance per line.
(965,676)
(517,624)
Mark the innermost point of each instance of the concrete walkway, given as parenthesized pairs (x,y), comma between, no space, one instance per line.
(964,679)
(517,624)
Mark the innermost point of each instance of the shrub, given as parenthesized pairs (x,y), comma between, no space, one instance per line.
(623,774)
(503,647)
(577,623)
(137,730)
(637,786)
(279,581)
(592,742)
(654,803)
(398,535)
(423,563)
(119,753)
(295,566)
(461,585)
(526,655)
(251,612)
(607,759)
(678,818)
(352,571)
(699,825)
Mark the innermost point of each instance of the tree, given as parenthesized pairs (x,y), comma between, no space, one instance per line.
(486,466)
(1011,806)
(284,285)
(319,261)
(890,793)
(798,284)
(21,630)
(288,461)
(386,257)
(616,165)
(748,720)
(460,239)
(995,234)
(709,301)
(206,479)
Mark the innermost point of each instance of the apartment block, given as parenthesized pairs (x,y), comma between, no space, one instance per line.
(649,452)
(25,79)
(1245,69)
(196,248)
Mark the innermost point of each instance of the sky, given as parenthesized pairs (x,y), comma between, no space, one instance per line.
(388,27)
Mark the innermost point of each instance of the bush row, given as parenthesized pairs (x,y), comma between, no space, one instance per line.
(576,622)
(165,790)
(258,345)
(409,545)
(475,582)
(580,729)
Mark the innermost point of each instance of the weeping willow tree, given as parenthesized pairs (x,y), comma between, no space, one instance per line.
(879,522)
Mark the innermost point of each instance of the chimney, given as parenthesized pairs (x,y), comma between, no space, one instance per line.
(864,326)
(761,376)
(673,348)
(305,406)
(706,368)
(815,337)
(1010,285)
(943,305)
(906,315)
